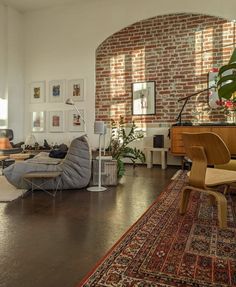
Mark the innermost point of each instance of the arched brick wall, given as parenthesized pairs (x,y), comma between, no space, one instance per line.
(176,51)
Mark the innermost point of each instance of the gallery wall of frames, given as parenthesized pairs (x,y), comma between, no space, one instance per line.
(56,121)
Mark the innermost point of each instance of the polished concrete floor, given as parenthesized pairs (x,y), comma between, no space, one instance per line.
(54,243)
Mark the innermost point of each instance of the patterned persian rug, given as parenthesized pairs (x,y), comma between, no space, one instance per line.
(164,248)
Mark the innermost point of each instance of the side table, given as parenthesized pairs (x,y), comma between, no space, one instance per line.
(149,156)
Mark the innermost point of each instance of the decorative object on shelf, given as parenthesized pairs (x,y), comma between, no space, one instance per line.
(56,121)
(76,120)
(38,121)
(119,142)
(144,98)
(37,92)
(228,106)
(213,93)
(30,141)
(46,145)
(76,90)
(158,141)
(56,91)
(100,129)
(227,79)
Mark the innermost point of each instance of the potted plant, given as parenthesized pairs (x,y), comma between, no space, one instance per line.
(120,139)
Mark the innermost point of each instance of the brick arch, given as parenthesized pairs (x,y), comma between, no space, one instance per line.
(176,51)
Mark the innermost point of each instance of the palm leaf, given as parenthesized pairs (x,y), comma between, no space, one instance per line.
(227,81)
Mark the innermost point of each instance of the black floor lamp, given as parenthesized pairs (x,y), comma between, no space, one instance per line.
(185,99)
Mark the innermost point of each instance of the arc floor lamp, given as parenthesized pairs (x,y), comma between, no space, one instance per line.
(69,101)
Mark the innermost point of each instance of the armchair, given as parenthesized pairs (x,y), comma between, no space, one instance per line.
(7,147)
(74,169)
(206,149)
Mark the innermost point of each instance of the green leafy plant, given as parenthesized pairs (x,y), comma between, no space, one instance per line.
(120,139)
(226,83)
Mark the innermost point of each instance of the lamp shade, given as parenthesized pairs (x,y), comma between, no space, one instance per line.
(30,140)
(99,127)
(69,101)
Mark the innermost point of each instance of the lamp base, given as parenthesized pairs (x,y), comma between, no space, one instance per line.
(96,188)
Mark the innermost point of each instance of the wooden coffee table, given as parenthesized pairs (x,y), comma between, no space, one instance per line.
(13,157)
(20,156)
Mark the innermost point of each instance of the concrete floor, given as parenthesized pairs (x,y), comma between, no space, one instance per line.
(54,243)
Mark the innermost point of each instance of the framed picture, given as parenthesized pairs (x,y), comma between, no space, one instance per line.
(56,91)
(144,98)
(76,90)
(213,93)
(37,92)
(38,121)
(75,121)
(56,121)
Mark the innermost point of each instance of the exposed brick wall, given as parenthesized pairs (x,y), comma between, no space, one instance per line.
(176,51)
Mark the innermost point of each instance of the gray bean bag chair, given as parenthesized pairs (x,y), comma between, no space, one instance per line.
(75,168)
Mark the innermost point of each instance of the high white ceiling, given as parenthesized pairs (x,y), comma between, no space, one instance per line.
(30,5)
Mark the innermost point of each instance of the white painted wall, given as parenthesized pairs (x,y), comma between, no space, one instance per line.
(60,43)
(3,58)
(11,68)
(15,74)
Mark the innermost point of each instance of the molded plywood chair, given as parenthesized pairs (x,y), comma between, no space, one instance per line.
(207,149)
(6,146)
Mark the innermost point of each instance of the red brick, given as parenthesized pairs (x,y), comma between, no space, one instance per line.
(168,50)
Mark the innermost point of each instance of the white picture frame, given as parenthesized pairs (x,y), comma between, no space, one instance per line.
(38,121)
(144,98)
(76,90)
(75,121)
(56,91)
(37,92)
(56,121)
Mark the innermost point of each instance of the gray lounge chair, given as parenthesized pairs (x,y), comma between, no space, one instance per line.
(75,169)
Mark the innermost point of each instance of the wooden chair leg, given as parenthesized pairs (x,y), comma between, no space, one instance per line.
(212,199)
(215,197)
(185,193)
(221,201)
(222,210)
(226,189)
